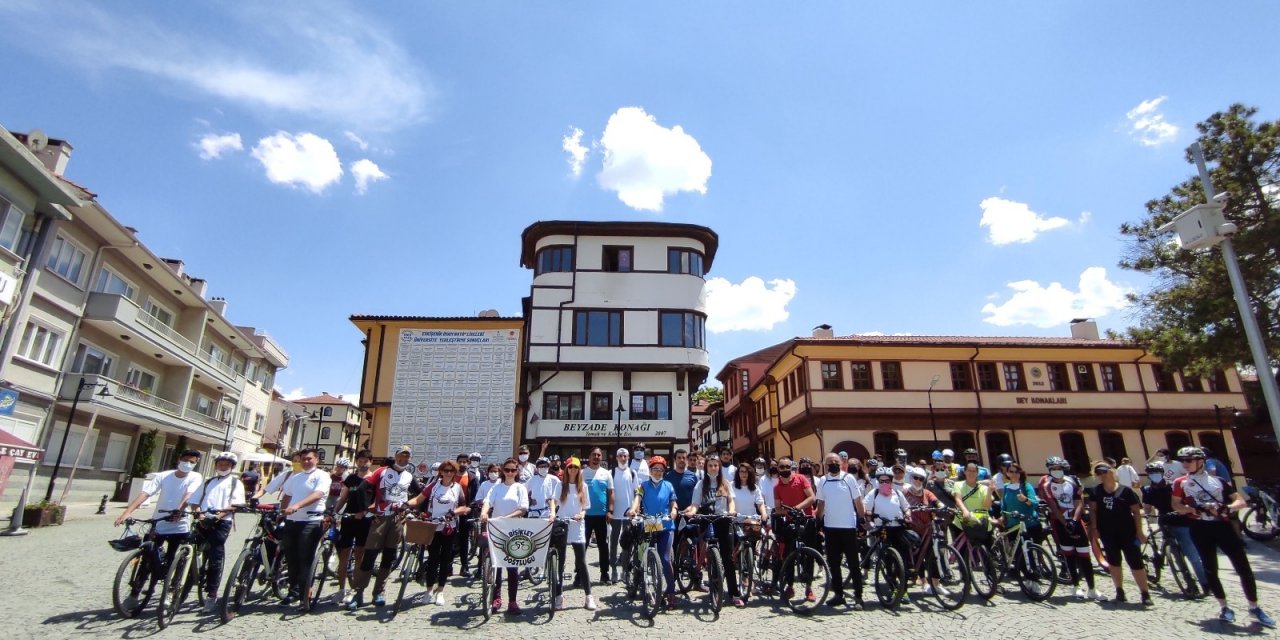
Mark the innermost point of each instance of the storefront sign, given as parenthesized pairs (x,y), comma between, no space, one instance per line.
(8,400)
(1041,400)
(630,429)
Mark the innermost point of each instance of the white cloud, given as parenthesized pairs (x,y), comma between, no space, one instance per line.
(294,394)
(1010,222)
(572,144)
(350,135)
(323,60)
(213,145)
(366,172)
(304,160)
(1032,304)
(644,162)
(1085,218)
(1147,124)
(750,306)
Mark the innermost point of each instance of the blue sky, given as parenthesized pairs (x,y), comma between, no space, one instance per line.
(384,158)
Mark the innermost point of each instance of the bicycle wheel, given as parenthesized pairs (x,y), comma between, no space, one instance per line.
(133,576)
(746,570)
(555,582)
(685,565)
(890,578)
(239,585)
(486,586)
(319,575)
(764,566)
(1258,525)
(535,575)
(812,580)
(1036,572)
(279,576)
(1063,575)
(651,586)
(1181,569)
(171,594)
(983,573)
(953,577)
(407,575)
(715,580)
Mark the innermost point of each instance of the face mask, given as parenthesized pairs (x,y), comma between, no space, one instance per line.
(806,470)
(917,486)
(1011,487)
(941,475)
(223,474)
(524,457)
(759,471)
(493,476)
(785,473)
(637,455)
(833,468)
(886,488)
(186,467)
(542,471)
(1157,477)
(1058,474)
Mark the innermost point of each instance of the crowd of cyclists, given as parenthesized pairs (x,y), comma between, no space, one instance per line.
(836,506)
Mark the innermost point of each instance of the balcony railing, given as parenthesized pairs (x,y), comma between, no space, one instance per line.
(197,415)
(139,396)
(220,365)
(165,330)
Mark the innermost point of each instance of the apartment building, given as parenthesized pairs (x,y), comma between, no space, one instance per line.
(285,421)
(1081,397)
(332,426)
(132,343)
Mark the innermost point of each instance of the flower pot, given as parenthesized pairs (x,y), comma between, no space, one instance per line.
(43,516)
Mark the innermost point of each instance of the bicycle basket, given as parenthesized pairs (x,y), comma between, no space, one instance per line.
(419,532)
(979,532)
(126,543)
(653,525)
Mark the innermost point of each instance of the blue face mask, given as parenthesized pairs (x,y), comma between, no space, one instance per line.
(1157,477)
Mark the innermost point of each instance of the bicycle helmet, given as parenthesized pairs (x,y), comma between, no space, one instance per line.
(1191,453)
(948,453)
(542,462)
(884,472)
(917,472)
(1054,461)
(970,452)
(340,462)
(900,453)
(937,455)
(657,460)
(227,455)
(126,543)
(1155,467)
(475,457)
(1004,459)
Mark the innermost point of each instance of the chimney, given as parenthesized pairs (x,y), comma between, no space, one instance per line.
(1084,329)
(823,331)
(200,285)
(219,306)
(55,156)
(174,265)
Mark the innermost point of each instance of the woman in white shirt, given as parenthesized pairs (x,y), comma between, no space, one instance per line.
(445,501)
(714,494)
(508,499)
(748,499)
(572,503)
(493,476)
(888,507)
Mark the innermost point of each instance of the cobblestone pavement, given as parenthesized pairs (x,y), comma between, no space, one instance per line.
(58,581)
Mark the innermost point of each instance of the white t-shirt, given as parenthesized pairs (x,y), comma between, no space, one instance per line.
(572,507)
(766,485)
(550,491)
(220,493)
(641,469)
(1127,475)
(893,507)
(505,499)
(300,486)
(727,471)
(624,491)
(483,492)
(837,495)
(746,501)
(445,499)
(172,492)
(527,470)
(721,506)
(277,482)
(538,493)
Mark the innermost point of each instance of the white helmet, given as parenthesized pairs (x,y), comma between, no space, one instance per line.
(345,463)
(947,453)
(227,455)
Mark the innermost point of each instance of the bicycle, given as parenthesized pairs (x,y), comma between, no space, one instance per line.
(190,563)
(1166,552)
(419,532)
(1013,553)
(1262,519)
(747,534)
(135,574)
(643,575)
(983,574)
(254,573)
(813,569)
(883,566)
(320,570)
(945,561)
(696,555)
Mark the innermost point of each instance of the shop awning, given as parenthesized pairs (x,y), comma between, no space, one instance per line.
(21,450)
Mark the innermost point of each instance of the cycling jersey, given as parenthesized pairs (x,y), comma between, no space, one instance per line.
(656,499)
(599,483)
(391,488)
(1202,490)
(974,498)
(1062,495)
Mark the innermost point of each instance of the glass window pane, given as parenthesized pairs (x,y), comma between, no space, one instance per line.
(671,328)
(615,329)
(673,261)
(597,328)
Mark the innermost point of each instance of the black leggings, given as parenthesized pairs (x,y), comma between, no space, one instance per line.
(579,565)
(597,526)
(440,558)
(724,536)
(1209,537)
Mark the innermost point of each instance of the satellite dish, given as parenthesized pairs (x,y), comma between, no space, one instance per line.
(37,140)
(490,313)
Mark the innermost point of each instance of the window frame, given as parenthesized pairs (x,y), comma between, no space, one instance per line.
(1086,380)
(883,443)
(1107,441)
(7,209)
(830,383)
(894,382)
(106,273)
(78,433)
(1110,377)
(614,253)
(137,384)
(1058,375)
(116,438)
(555,264)
(77,364)
(259,421)
(646,414)
(582,321)
(568,396)
(993,377)
(55,257)
(609,412)
(965,381)
(27,340)
(1079,465)
(1161,375)
(1020,377)
(990,440)
(697,332)
(680,260)
(858,382)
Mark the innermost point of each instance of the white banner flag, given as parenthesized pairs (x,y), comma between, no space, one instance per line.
(517,543)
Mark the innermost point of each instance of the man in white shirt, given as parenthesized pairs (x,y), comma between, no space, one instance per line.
(840,508)
(277,481)
(638,463)
(625,482)
(765,482)
(527,468)
(217,500)
(174,489)
(727,468)
(303,503)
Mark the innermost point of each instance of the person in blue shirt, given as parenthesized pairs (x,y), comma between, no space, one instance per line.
(657,498)
(971,455)
(682,479)
(1019,503)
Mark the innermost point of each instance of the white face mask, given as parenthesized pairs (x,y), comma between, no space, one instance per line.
(1058,474)
(493,476)
(759,472)
(941,475)
(524,457)
(542,471)
(224,473)
(186,467)
(637,455)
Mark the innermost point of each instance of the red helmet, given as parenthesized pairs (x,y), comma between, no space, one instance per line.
(657,460)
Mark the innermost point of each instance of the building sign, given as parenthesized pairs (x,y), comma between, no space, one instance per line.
(25,454)
(454,392)
(661,429)
(8,285)
(1040,400)
(8,400)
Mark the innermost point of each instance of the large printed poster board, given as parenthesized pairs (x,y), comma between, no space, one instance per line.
(454,392)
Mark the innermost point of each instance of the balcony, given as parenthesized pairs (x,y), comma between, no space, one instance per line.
(196,415)
(136,406)
(111,312)
(221,367)
(165,330)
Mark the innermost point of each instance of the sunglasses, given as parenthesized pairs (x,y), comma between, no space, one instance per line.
(510,470)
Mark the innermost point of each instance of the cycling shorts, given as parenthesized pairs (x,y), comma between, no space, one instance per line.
(353,532)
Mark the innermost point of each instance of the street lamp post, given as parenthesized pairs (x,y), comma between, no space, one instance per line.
(318,416)
(75,403)
(618,428)
(932,422)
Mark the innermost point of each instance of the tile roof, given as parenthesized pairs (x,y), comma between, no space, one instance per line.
(377,318)
(974,341)
(323,398)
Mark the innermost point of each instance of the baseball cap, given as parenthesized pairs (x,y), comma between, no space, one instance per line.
(622,451)
(404,448)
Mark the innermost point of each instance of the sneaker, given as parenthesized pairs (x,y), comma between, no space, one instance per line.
(788,593)
(513,609)
(1120,597)
(942,591)
(928,589)
(1146,599)
(857,604)
(836,601)
(1081,594)
(210,605)
(340,596)
(496,605)
(1227,615)
(739,603)
(559,605)
(1263,619)
(1094,595)
(357,599)
(440,598)
(130,603)
(809,596)
(379,600)
(590,604)
(287,601)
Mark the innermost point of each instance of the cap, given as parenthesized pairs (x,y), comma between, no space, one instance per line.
(622,451)
(843,454)
(947,453)
(404,448)
(573,461)
(1101,467)
(542,462)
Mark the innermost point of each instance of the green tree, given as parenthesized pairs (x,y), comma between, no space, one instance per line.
(142,458)
(178,448)
(709,393)
(1189,317)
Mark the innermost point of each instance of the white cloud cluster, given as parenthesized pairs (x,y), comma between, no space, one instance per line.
(753,305)
(1036,305)
(359,142)
(322,60)
(366,172)
(213,145)
(1010,222)
(572,145)
(1148,126)
(644,162)
(305,160)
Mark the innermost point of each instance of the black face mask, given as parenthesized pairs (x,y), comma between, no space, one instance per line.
(833,468)
(806,470)
(785,473)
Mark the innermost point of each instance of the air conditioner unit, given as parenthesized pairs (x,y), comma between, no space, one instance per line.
(1082,369)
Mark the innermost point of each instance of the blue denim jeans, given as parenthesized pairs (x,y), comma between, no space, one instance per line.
(664,553)
(1189,551)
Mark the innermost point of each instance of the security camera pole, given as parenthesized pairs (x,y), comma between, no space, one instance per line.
(1194,235)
